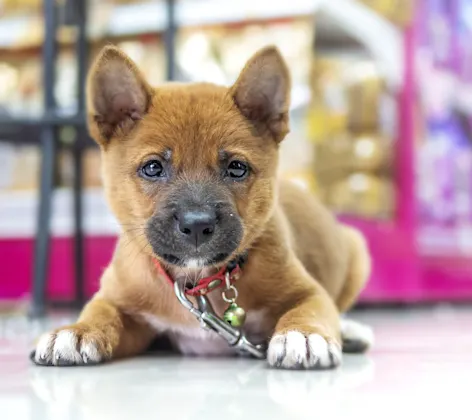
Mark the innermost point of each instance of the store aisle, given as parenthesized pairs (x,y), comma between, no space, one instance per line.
(421,366)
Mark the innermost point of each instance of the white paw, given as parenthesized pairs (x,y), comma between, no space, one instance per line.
(294,350)
(357,337)
(65,348)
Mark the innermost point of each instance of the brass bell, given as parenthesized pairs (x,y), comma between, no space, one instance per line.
(235,315)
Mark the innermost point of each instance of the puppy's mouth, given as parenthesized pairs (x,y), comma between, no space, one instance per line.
(194,262)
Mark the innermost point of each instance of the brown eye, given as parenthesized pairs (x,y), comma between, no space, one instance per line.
(153,170)
(237,170)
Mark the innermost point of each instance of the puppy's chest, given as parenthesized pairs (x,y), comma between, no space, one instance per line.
(185,332)
(191,339)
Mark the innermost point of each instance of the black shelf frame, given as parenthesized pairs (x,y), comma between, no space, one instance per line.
(43,131)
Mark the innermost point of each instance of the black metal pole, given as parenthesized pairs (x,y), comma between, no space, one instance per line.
(82,52)
(48,164)
(170,37)
(82,59)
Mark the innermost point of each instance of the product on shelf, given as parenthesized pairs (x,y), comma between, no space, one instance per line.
(34,35)
(26,169)
(362,194)
(21,90)
(21,87)
(217,54)
(8,88)
(19,6)
(350,122)
(7,159)
(21,66)
(444,123)
(400,12)
(66,83)
(363,152)
(19,167)
(364,92)
(149,55)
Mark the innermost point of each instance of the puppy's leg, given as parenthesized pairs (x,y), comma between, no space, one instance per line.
(356,337)
(102,332)
(307,335)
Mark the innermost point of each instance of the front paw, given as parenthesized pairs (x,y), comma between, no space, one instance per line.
(75,345)
(295,350)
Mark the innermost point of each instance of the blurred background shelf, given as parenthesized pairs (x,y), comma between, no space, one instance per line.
(137,26)
(112,19)
(380,100)
(18,210)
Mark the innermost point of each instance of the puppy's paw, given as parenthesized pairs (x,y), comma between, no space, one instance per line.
(75,345)
(295,350)
(356,337)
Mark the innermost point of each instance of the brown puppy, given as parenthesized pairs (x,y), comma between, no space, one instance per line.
(190,173)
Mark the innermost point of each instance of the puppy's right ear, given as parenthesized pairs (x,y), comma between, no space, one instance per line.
(118,96)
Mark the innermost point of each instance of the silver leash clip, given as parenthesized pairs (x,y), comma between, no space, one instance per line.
(209,320)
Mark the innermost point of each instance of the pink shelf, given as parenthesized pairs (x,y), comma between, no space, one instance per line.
(17,266)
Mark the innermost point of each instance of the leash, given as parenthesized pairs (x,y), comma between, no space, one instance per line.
(229,328)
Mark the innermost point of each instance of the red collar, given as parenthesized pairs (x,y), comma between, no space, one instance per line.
(206,284)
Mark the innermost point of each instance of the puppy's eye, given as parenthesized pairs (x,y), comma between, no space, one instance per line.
(152,170)
(237,170)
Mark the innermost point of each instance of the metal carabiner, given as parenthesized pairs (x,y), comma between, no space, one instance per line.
(209,320)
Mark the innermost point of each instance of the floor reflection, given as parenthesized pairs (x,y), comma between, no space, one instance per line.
(421,361)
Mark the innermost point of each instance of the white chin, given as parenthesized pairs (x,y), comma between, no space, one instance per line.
(195,263)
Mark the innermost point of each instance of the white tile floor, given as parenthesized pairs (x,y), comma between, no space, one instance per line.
(420,368)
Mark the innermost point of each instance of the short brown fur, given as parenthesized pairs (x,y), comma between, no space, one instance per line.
(303,266)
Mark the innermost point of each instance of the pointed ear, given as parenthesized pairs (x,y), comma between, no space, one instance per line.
(118,96)
(262,92)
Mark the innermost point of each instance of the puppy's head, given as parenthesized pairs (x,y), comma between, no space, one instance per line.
(189,170)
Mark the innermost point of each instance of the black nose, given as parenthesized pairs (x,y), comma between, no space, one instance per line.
(197,226)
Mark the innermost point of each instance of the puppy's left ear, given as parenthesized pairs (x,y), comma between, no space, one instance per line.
(262,92)
(118,96)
